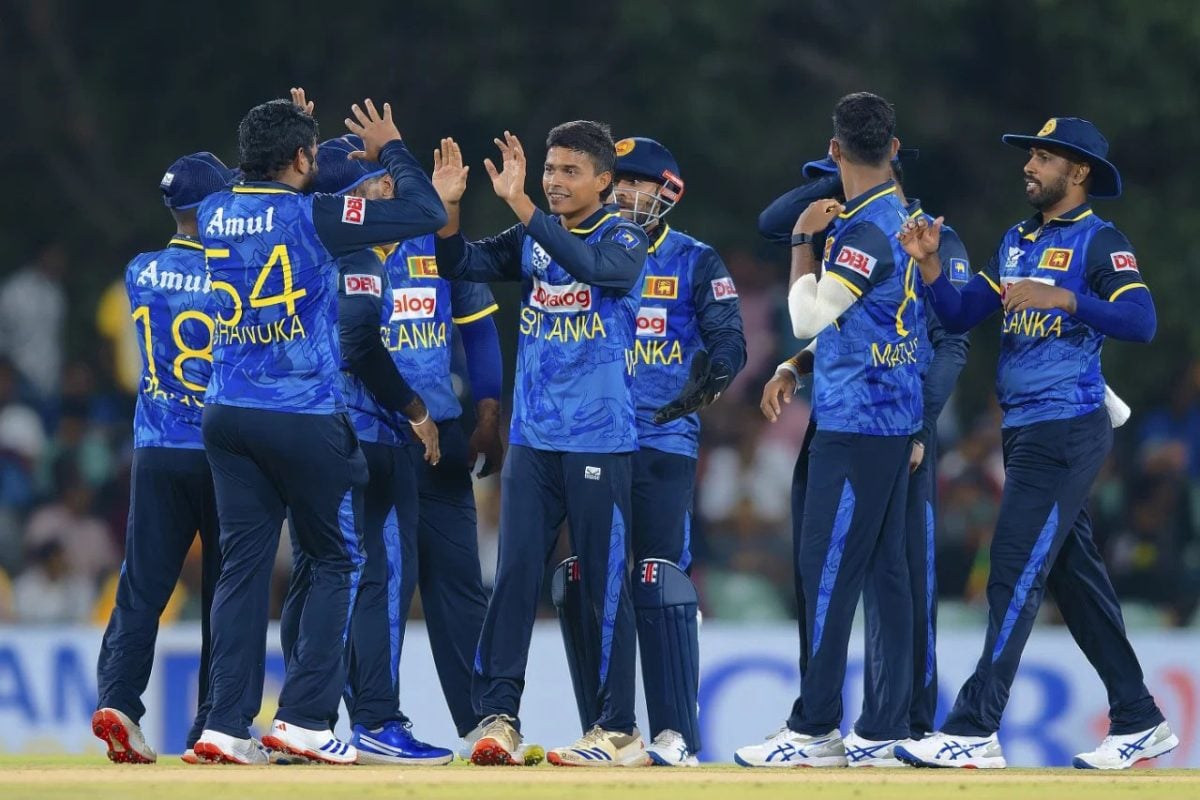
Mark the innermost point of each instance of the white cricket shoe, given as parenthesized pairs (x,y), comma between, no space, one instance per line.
(786,748)
(601,748)
(315,745)
(214,747)
(529,754)
(124,739)
(862,752)
(497,742)
(670,750)
(1122,752)
(944,750)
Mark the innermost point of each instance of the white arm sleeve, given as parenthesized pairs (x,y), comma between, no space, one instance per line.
(814,304)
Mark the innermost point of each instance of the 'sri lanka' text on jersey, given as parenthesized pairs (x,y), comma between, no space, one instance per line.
(688,302)
(575,357)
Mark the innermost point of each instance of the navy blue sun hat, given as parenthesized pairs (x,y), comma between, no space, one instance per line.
(337,173)
(1082,138)
(192,178)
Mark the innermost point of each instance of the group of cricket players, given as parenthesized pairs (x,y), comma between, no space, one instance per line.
(297,334)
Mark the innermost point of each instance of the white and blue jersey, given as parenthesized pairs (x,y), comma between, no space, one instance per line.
(688,303)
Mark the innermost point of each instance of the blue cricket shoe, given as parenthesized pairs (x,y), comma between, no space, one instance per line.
(395,744)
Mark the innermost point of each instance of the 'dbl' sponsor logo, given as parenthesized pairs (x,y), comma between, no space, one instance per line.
(856,260)
(354,210)
(422,267)
(565,299)
(364,284)
(652,321)
(723,289)
(662,287)
(1058,258)
(1123,260)
(413,303)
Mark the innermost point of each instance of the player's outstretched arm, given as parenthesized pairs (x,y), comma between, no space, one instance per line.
(348,224)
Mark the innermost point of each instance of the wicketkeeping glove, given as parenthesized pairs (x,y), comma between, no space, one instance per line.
(706,380)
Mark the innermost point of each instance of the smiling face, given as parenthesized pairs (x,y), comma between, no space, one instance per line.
(571,183)
(1050,176)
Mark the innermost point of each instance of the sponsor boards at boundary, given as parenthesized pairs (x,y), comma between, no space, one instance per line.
(749,677)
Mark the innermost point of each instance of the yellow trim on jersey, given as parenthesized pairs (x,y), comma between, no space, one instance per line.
(185,243)
(991,283)
(384,250)
(844,281)
(216,252)
(492,309)
(262,190)
(659,240)
(1087,213)
(599,222)
(918,212)
(1125,289)
(848,214)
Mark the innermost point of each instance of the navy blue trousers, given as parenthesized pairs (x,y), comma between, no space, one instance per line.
(171,500)
(539,489)
(853,545)
(442,557)
(378,620)
(265,463)
(919,527)
(664,489)
(1043,540)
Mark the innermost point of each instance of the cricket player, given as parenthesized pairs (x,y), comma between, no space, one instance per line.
(689,346)
(868,405)
(171,494)
(573,428)
(275,424)
(376,397)
(1065,279)
(442,554)
(941,362)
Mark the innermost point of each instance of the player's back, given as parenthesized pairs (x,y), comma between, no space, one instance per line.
(169,299)
(275,345)
(867,376)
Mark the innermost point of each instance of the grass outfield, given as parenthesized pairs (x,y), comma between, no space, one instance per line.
(52,777)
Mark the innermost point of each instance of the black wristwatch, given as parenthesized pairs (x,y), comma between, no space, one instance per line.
(801,238)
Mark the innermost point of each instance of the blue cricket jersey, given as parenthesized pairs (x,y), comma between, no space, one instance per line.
(168,295)
(1049,364)
(689,303)
(579,303)
(867,368)
(271,255)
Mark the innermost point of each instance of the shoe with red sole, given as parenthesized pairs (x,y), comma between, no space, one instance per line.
(126,744)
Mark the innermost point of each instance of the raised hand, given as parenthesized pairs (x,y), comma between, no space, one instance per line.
(302,102)
(375,129)
(509,181)
(921,239)
(449,173)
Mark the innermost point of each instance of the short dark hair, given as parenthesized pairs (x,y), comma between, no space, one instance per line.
(864,124)
(585,136)
(269,136)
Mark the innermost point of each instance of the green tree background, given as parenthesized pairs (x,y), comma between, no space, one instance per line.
(102,96)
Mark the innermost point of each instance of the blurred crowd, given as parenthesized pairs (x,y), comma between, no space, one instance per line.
(66,448)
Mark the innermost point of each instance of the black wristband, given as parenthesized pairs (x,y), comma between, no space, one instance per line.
(801,238)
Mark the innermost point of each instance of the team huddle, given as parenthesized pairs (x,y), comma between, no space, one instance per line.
(297,335)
